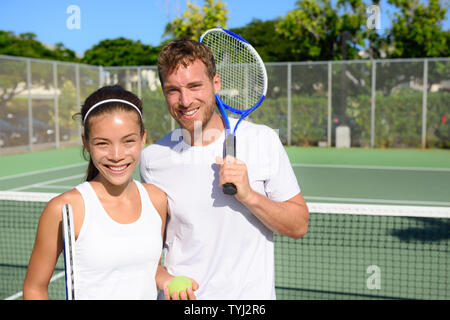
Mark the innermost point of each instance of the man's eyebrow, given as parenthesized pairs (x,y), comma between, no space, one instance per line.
(189,84)
(195,83)
(169,86)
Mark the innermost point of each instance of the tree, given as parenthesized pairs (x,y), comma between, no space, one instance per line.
(64,54)
(417,30)
(195,20)
(319,31)
(26,45)
(271,46)
(121,52)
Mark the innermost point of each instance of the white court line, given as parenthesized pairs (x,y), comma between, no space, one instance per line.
(19,294)
(42,171)
(384,201)
(344,166)
(41,184)
(57,187)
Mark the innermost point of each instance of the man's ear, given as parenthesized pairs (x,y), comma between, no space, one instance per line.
(217,83)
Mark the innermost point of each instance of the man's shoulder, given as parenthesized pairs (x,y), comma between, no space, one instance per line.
(164,144)
(251,128)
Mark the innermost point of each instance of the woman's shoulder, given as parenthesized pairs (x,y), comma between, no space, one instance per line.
(153,190)
(72,197)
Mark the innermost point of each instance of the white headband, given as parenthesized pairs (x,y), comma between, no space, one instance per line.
(111,100)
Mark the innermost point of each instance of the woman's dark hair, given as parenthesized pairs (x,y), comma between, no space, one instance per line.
(104,93)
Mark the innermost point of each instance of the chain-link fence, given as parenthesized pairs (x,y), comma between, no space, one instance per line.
(38,99)
(380,103)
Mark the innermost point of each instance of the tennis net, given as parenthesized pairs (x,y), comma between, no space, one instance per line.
(350,251)
(19,217)
(367,252)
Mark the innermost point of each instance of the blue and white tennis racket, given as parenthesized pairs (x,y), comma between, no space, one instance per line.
(68,235)
(243,82)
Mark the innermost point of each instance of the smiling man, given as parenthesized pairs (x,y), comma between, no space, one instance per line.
(223,242)
(189,85)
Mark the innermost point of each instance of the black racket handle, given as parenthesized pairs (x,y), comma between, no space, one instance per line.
(229,188)
(230,149)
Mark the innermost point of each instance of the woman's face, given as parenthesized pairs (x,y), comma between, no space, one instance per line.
(115,144)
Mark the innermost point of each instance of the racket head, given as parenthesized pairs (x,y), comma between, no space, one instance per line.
(242,72)
(68,236)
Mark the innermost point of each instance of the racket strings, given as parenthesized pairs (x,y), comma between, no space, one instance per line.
(241,73)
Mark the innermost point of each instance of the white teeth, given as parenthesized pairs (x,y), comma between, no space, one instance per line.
(190,113)
(117,168)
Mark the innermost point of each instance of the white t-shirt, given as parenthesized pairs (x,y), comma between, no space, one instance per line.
(211,236)
(114,260)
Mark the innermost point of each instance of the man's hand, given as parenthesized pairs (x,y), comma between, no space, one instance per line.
(289,217)
(234,171)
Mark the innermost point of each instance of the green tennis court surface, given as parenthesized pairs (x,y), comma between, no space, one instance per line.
(343,256)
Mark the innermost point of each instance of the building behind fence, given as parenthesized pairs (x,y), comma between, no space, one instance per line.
(380,103)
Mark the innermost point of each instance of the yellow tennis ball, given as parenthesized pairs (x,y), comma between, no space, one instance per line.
(179,284)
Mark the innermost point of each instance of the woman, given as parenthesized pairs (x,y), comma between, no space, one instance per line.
(119,222)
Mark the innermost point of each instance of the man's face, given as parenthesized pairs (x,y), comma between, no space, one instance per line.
(190,94)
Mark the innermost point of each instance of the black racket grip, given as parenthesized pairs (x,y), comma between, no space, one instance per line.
(229,188)
(230,149)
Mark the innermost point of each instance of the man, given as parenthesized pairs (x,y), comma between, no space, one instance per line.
(223,242)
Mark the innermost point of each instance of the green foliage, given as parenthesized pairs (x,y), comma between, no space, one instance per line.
(308,118)
(121,52)
(319,31)
(156,116)
(271,46)
(195,20)
(67,107)
(336,30)
(417,30)
(26,45)
(312,31)
(398,119)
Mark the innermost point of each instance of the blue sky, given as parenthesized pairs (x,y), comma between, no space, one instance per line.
(100,19)
(142,20)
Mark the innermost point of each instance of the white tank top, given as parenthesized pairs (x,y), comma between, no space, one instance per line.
(114,260)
